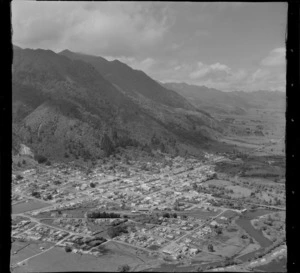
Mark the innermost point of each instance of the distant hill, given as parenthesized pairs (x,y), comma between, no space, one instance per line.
(64,107)
(237,102)
(263,99)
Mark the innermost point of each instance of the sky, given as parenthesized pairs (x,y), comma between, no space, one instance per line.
(228,46)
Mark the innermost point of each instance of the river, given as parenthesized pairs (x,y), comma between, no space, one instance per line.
(244,222)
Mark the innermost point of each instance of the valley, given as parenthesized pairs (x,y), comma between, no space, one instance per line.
(149,137)
(148,212)
(115,174)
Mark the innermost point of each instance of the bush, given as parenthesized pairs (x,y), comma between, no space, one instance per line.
(68,249)
(19,177)
(124,268)
(36,194)
(116,231)
(98,214)
(210,248)
(107,145)
(40,159)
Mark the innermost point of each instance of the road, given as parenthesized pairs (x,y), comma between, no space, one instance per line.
(52,205)
(194,230)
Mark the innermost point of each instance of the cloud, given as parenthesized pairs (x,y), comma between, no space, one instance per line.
(111,28)
(215,71)
(168,41)
(259,74)
(145,65)
(275,58)
(223,77)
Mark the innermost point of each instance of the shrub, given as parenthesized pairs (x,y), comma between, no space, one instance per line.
(210,248)
(124,268)
(107,145)
(116,231)
(19,177)
(68,249)
(36,194)
(40,159)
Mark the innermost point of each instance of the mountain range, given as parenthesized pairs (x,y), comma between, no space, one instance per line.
(237,102)
(71,105)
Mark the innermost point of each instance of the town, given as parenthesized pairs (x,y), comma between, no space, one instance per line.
(171,210)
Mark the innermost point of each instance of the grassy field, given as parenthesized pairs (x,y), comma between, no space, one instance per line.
(239,191)
(57,260)
(24,250)
(199,213)
(28,206)
(226,250)
(206,257)
(228,213)
(217,182)
(250,248)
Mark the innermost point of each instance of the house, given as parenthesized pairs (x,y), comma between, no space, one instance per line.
(214,223)
(194,251)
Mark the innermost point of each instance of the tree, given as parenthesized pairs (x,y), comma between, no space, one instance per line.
(124,268)
(19,177)
(36,194)
(68,249)
(107,145)
(116,231)
(40,159)
(166,215)
(48,163)
(218,230)
(210,248)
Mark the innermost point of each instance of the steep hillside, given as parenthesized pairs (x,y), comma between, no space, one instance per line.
(133,82)
(64,108)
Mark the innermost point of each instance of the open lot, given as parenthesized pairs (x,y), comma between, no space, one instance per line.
(200,213)
(23,250)
(239,192)
(206,257)
(57,259)
(28,206)
(218,182)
